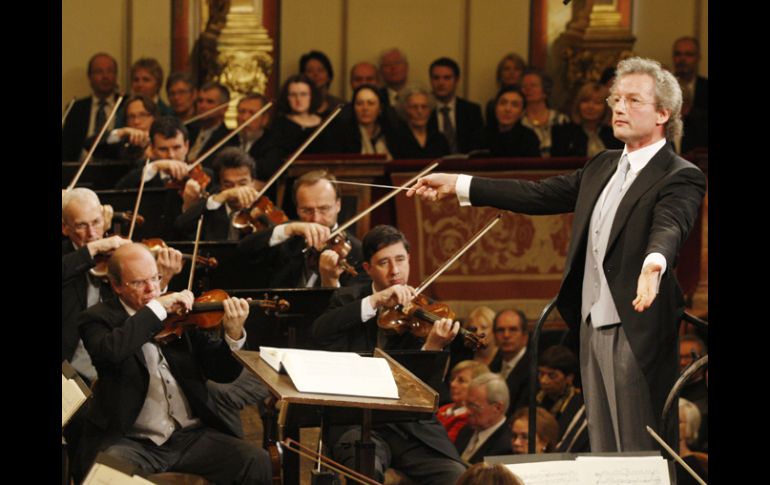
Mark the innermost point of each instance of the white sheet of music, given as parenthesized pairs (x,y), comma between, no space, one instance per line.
(642,470)
(72,398)
(546,472)
(340,373)
(101,474)
(595,471)
(274,356)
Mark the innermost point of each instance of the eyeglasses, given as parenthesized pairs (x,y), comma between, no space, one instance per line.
(310,211)
(139,284)
(634,102)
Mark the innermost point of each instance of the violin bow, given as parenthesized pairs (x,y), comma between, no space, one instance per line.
(386,198)
(459,253)
(205,113)
(195,253)
(299,151)
(675,455)
(96,142)
(229,136)
(67,111)
(138,200)
(302,450)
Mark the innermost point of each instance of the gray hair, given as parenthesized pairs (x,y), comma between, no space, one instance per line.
(692,420)
(497,389)
(79,194)
(388,51)
(412,90)
(668,94)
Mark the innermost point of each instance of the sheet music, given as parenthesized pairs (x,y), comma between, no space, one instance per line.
(546,472)
(338,373)
(72,398)
(274,356)
(647,470)
(101,474)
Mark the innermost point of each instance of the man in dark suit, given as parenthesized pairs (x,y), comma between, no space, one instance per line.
(89,114)
(238,189)
(510,328)
(487,432)
(456,118)
(207,132)
(282,248)
(633,210)
(151,406)
(253,139)
(420,449)
(686,56)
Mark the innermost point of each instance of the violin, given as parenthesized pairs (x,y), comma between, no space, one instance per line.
(207,313)
(156,244)
(262,215)
(127,216)
(419,317)
(340,244)
(196,173)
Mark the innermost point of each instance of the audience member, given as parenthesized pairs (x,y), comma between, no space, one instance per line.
(417,138)
(538,116)
(512,359)
(588,134)
(454,415)
(181,93)
(130,142)
(686,56)
(486,433)
(394,69)
(509,71)
(546,431)
(207,132)
(510,138)
(318,68)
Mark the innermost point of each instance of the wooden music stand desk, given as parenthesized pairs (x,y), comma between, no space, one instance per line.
(414,397)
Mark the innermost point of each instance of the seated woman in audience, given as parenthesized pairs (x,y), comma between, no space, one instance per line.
(415,139)
(486,474)
(480,321)
(546,431)
(297,119)
(509,71)
(131,141)
(509,138)
(317,67)
(147,80)
(588,133)
(368,132)
(689,423)
(454,415)
(538,116)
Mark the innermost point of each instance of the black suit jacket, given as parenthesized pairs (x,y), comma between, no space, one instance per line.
(655,215)
(75,129)
(340,329)
(216,224)
(497,444)
(216,137)
(75,264)
(519,141)
(406,145)
(114,341)
(701,100)
(517,381)
(285,262)
(468,120)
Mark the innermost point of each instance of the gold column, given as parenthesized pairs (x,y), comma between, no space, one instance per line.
(243,53)
(598,36)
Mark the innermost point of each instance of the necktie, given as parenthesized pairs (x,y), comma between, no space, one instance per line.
(101,116)
(615,186)
(449,129)
(471,448)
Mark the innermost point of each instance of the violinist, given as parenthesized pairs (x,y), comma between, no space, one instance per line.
(169,144)
(83,225)
(235,170)
(420,449)
(282,248)
(151,405)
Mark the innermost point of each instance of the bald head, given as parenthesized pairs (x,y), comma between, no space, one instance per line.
(128,255)
(363,73)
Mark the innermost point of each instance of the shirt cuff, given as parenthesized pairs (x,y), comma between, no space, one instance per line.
(113,137)
(157,309)
(279,235)
(367,310)
(212,204)
(463,189)
(656,258)
(236,344)
(150,173)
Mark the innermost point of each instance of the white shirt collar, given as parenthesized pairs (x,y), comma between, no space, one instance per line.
(451,104)
(638,159)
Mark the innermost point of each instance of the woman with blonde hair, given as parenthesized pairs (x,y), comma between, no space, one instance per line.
(588,134)
(454,415)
